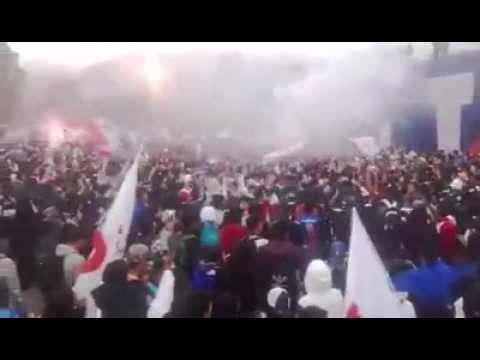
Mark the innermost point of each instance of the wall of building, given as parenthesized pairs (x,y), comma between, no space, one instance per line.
(449,118)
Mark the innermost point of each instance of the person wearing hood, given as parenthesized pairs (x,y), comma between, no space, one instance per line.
(318,286)
(110,296)
(209,234)
(71,255)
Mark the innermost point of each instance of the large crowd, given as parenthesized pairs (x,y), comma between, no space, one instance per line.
(230,239)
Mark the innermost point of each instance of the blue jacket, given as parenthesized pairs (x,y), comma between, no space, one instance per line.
(432,285)
(204,277)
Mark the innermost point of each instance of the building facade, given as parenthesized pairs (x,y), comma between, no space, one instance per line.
(449,117)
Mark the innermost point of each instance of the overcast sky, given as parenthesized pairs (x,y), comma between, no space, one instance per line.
(79,54)
(87,53)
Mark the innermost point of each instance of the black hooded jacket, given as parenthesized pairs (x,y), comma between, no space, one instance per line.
(121,300)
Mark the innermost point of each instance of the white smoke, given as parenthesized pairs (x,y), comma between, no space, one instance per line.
(258,101)
(353,96)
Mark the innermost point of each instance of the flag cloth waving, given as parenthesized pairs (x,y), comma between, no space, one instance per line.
(109,239)
(366,145)
(369,292)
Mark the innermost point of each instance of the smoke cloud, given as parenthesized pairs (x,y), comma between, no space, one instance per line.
(251,102)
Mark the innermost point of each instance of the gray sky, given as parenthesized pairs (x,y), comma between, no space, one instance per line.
(288,99)
(86,53)
(79,54)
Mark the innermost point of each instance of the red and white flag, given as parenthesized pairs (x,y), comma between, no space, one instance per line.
(370,293)
(109,240)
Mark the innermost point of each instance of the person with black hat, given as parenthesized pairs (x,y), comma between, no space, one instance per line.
(111,296)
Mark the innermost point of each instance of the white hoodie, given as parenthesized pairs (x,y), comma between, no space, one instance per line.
(318,284)
(210,214)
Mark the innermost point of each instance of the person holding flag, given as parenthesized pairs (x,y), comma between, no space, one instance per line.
(109,240)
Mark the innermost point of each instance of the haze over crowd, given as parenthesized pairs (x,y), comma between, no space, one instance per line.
(252,98)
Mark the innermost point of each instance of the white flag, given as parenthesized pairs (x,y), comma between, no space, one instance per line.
(370,293)
(162,303)
(109,240)
(283,153)
(366,145)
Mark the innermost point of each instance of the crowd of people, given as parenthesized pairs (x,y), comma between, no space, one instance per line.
(230,239)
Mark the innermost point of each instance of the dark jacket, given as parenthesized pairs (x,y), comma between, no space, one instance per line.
(240,283)
(279,264)
(122,300)
(136,300)
(109,298)
(316,235)
(471,301)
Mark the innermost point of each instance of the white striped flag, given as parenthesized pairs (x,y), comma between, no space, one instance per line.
(109,240)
